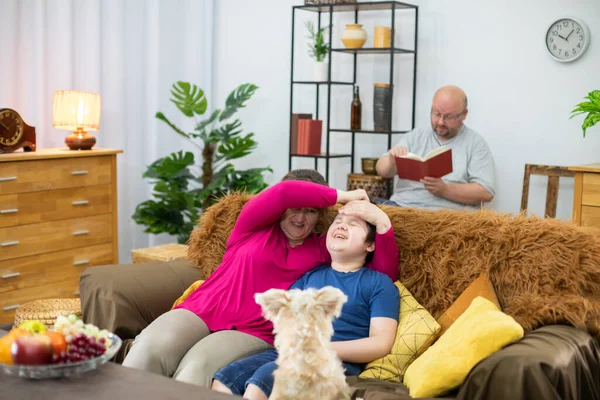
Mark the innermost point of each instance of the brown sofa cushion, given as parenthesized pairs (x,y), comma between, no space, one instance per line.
(544,271)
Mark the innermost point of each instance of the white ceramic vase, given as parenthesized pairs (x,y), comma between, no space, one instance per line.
(321,71)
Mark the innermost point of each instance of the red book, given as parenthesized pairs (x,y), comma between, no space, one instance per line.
(435,164)
(309,136)
(294,135)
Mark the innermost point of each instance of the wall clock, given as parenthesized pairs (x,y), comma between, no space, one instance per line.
(567,39)
(14,132)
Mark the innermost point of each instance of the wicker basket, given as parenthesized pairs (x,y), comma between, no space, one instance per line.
(326,2)
(165,252)
(47,310)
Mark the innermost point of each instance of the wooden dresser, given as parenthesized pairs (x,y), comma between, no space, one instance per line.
(58,215)
(586,200)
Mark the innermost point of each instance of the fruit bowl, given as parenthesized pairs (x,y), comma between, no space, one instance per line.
(63,370)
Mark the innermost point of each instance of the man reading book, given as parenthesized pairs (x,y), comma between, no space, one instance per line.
(472,180)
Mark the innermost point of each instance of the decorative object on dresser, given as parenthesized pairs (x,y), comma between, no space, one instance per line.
(382,38)
(354,36)
(368,165)
(79,112)
(325,2)
(309,136)
(374,185)
(58,214)
(14,132)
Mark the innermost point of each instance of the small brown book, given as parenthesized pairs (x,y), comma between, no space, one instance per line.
(294,133)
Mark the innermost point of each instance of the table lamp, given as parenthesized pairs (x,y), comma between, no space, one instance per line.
(78,112)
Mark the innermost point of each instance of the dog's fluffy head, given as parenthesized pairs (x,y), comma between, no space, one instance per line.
(301,312)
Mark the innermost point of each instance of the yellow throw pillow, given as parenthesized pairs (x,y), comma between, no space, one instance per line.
(480,331)
(417,330)
(187,292)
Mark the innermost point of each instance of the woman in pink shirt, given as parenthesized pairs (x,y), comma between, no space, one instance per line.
(271,245)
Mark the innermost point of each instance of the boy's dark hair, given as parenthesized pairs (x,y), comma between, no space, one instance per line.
(370,239)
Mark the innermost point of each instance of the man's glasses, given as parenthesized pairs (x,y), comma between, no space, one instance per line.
(446,117)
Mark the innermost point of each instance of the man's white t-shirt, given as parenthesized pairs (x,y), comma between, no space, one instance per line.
(472,162)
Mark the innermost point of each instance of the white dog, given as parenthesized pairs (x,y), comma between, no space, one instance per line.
(308,368)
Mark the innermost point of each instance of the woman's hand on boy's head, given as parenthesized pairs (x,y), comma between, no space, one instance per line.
(345,197)
(369,212)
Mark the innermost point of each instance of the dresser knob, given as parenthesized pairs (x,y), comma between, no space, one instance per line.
(76,293)
(80,233)
(13,275)
(9,211)
(12,243)
(81,262)
(80,203)
(13,307)
(79,172)
(8,178)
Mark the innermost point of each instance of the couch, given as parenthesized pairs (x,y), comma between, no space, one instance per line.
(546,274)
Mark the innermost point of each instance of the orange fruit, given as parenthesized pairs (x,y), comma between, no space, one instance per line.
(16,332)
(59,344)
(5,355)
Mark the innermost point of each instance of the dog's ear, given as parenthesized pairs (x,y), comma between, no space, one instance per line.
(331,300)
(272,301)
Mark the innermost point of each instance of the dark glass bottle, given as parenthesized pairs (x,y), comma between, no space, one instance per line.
(356,111)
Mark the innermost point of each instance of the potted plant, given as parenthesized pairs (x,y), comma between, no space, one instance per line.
(318,49)
(182,188)
(591,108)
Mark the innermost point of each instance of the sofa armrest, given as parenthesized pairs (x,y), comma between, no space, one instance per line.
(552,362)
(125,298)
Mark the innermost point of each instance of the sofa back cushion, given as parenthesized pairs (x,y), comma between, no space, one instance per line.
(544,271)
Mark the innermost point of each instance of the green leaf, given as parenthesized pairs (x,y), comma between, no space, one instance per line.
(590,120)
(162,117)
(210,120)
(236,147)
(237,99)
(189,99)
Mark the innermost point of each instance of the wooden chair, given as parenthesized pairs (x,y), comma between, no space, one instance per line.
(553,173)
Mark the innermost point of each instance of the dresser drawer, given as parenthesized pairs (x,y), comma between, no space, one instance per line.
(43,269)
(36,207)
(591,190)
(40,175)
(590,216)
(10,301)
(28,240)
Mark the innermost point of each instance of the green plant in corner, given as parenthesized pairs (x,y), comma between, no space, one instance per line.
(181,188)
(318,49)
(591,107)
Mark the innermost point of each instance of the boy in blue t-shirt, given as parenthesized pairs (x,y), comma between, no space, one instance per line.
(366,328)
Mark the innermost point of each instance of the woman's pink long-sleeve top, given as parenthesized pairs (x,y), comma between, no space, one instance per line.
(258,257)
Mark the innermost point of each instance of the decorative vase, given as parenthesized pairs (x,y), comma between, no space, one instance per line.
(321,71)
(382,99)
(382,38)
(354,36)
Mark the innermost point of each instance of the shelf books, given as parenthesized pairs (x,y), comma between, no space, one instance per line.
(309,136)
(435,164)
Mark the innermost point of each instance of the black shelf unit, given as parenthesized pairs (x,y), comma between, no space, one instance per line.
(355,8)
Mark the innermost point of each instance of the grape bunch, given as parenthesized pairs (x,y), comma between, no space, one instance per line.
(84,341)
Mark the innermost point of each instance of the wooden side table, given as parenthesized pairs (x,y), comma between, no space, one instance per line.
(374,185)
(586,200)
(165,252)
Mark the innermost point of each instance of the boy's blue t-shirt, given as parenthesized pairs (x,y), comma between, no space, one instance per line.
(370,294)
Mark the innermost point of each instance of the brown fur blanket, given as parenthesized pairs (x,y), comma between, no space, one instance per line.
(544,271)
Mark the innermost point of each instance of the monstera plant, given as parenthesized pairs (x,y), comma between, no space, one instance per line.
(181,188)
(591,108)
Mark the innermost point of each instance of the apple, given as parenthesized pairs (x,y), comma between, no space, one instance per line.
(32,350)
(33,326)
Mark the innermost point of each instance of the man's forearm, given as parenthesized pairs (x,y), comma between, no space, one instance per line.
(467,193)
(361,350)
(386,167)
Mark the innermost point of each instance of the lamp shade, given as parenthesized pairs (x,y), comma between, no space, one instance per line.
(76,110)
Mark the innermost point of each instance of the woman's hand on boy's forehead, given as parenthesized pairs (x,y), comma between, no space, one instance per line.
(369,212)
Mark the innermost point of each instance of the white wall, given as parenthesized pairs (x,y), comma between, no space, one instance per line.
(520,98)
